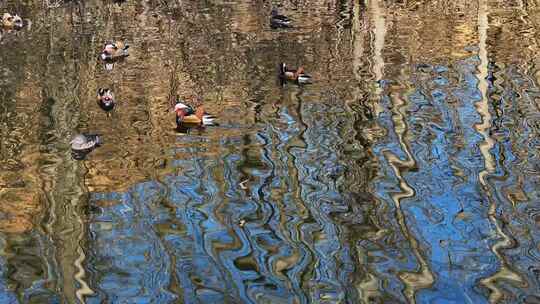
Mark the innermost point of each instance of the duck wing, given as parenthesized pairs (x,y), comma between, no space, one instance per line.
(93,139)
(206,119)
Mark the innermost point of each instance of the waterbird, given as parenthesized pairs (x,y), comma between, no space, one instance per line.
(83,144)
(114,50)
(105,99)
(10,21)
(277,20)
(298,75)
(187,115)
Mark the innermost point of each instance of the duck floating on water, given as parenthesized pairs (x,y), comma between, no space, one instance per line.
(105,99)
(298,75)
(83,144)
(12,21)
(277,20)
(187,116)
(114,50)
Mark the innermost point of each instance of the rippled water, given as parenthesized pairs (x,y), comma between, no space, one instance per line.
(407,173)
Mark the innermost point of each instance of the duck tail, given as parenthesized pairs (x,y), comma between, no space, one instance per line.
(209,120)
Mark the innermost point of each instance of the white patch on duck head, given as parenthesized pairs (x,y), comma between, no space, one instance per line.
(180,106)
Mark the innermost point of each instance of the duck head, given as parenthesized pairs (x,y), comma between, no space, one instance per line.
(12,21)
(108,50)
(181,111)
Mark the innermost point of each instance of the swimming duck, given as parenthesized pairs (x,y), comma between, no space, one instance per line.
(105,99)
(277,20)
(83,144)
(297,75)
(114,50)
(187,115)
(12,21)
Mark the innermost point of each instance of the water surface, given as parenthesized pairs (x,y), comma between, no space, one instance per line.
(407,173)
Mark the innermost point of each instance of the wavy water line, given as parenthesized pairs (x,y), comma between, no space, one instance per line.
(423,278)
(328,241)
(80,276)
(291,114)
(482,107)
(367,287)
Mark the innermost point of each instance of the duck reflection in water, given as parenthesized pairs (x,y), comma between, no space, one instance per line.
(83,144)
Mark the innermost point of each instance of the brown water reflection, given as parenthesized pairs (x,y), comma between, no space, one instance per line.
(408,172)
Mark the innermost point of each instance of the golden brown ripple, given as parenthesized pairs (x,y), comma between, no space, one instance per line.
(18,208)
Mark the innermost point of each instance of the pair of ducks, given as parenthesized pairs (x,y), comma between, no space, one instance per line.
(112,52)
(189,116)
(83,144)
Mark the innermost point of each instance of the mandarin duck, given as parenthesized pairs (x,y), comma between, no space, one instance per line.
(187,115)
(298,75)
(105,99)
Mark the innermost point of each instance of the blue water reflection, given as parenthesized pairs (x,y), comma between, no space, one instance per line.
(200,237)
